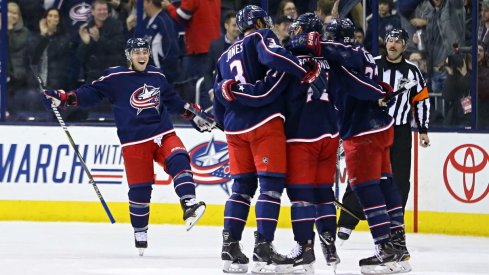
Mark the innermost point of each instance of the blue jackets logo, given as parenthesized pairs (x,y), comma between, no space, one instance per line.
(145,97)
(210,164)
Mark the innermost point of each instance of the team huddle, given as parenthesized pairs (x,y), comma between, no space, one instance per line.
(284,110)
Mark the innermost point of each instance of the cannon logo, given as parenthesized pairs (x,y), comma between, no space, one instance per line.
(466,173)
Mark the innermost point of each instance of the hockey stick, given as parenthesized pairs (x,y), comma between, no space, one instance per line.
(70,139)
(344,208)
(338,204)
(209,119)
(406,85)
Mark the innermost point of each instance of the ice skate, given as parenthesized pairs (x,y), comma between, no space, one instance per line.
(329,249)
(266,258)
(398,238)
(302,258)
(344,234)
(385,261)
(234,259)
(141,241)
(192,211)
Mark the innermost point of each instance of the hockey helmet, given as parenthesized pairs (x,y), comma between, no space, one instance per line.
(397,34)
(341,30)
(136,43)
(247,17)
(309,22)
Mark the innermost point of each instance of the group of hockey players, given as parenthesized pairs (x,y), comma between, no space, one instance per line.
(284,110)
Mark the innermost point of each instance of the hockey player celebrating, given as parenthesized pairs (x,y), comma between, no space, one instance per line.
(255,136)
(312,141)
(367,134)
(142,99)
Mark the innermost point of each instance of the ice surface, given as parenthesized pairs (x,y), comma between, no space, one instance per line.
(103,248)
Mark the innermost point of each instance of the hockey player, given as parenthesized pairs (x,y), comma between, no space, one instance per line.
(394,69)
(367,134)
(142,99)
(255,136)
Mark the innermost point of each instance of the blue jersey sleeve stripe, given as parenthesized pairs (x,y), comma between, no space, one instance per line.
(102,78)
(278,55)
(266,93)
(380,91)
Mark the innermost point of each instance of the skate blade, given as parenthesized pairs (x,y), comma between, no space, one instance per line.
(230,267)
(386,268)
(303,269)
(191,221)
(141,251)
(405,266)
(264,268)
(333,266)
(342,242)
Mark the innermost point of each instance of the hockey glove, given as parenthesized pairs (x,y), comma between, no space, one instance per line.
(60,98)
(200,120)
(305,43)
(319,86)
(313,72)
(227,87)
(388,100)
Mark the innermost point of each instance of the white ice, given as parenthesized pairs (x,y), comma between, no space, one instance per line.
(100,248)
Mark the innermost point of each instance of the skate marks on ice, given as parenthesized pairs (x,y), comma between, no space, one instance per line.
(102,248)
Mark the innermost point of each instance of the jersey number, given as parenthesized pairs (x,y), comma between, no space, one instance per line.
(237,66)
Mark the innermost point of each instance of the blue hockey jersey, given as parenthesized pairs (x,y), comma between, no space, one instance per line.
(306,120)
(358,109)
(141,102)
(249,60)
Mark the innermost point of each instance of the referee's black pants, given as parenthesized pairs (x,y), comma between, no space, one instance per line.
(401,170)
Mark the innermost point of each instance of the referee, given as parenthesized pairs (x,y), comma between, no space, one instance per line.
(394,69)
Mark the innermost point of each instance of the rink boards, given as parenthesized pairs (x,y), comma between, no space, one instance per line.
(42,180)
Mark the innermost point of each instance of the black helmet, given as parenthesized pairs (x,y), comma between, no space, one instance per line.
(247,17)
(398,34)
(341,30)
(309,22)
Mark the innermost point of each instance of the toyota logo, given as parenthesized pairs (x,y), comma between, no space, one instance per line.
(465,173)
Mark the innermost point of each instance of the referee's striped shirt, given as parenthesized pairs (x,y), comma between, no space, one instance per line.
(415,100)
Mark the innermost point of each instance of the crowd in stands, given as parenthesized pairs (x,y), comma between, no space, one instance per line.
(70,42)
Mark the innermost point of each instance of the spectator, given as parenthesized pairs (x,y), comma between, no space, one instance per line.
(483,34)
(218,46)
(323,10)
(102,42)
(445,27)
(159,30)
(457,87)
(418,59)
(287,8)
(483,87)
(329,9)
(52,50)
(387,22)
(201,18)
(102,45)
(281,28)
(74,13)
(16,55)
(359,36)
(127,16)
(35,10)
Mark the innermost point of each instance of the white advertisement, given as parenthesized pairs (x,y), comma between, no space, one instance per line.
(454,173)
(38,163)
